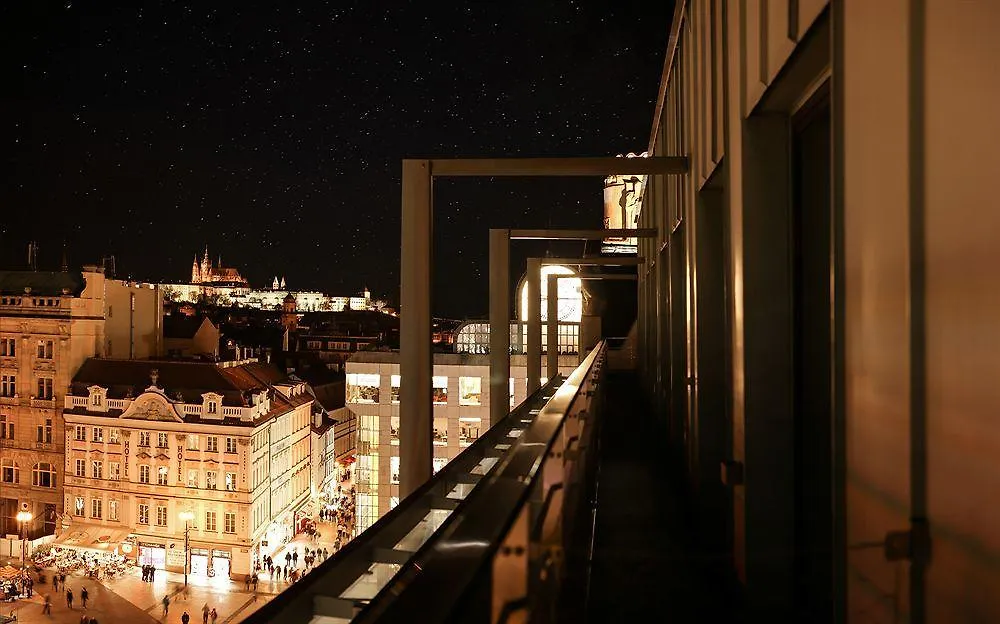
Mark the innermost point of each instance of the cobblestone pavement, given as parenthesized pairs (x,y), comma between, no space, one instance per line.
(104,605)
(130,600)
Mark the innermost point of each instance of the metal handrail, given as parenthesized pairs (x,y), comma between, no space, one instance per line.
(446,579)
(320,590)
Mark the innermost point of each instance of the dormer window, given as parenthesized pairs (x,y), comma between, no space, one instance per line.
(98,398)
(211,405)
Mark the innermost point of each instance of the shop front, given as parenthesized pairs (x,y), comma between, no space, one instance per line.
(199,562)
(221,564)
(153,554)
(304,516)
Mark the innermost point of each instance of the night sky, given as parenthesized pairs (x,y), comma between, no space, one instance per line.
(274,133)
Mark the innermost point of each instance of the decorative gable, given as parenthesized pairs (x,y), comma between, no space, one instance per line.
(151,405)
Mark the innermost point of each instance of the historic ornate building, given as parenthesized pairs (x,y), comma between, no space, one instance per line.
(207,273)
(50,323)
(152,445)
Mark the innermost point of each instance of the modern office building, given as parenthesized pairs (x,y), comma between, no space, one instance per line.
(50,323)
(157,447)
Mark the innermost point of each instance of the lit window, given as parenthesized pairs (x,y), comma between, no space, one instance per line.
(143,513)
(78,506)
(470,390)
(98,434)
(114,471)
(192,481)
(162,475)
(439,388)
(113,510)
(210,480)
(97,469)
(362,388)
(114,436)
(231,481)
(192,443)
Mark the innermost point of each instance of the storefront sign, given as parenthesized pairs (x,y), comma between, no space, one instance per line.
(175,557)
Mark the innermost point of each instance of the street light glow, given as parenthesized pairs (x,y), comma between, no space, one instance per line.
(187,516)
(24,516)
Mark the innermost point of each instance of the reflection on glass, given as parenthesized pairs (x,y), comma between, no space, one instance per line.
(362,388)
(470,390)
(440,390)
(394,388)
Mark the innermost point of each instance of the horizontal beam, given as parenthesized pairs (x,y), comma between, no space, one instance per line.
(598,261)
(606,276)
(528,167)
(581,234)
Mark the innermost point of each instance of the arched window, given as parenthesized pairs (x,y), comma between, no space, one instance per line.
(9,471)
(43,475)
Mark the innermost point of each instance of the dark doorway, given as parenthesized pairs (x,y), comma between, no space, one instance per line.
(812,358)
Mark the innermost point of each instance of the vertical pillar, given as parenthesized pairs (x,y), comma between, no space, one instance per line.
(552,327)
(415,358)
(499,324)
(534,357)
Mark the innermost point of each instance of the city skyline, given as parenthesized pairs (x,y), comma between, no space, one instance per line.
(276,135)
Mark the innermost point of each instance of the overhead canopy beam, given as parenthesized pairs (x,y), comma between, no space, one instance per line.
(551,167)
(581,234)
(596,261)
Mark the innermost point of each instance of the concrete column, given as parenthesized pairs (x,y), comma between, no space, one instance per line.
(552,327)
(499,324)
(534,347)
(416,363)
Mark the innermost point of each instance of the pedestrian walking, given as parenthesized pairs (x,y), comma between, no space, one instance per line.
(84,619)
(166,605)
(55,582)
(69,598)
(185,618)
(47,605)
(215,615)
(204,614)
(84,596)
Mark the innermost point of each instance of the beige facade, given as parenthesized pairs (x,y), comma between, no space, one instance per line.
(826,268)
(227,443)
(50,323)
(461,414)
(334,442)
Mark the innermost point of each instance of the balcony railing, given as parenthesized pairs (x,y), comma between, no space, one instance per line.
(482,539)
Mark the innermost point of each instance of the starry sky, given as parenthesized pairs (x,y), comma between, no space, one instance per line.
(274,132)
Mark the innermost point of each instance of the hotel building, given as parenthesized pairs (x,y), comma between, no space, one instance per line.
(150,443)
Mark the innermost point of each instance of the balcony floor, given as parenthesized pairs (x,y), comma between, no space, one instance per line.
(647,565)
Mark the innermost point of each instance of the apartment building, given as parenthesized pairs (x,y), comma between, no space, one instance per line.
(50,323)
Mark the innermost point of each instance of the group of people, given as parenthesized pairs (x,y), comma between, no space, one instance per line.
(148,573)
(208,615)
(17,587)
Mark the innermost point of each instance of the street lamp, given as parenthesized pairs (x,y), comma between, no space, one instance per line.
(187,517)
(23,518)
